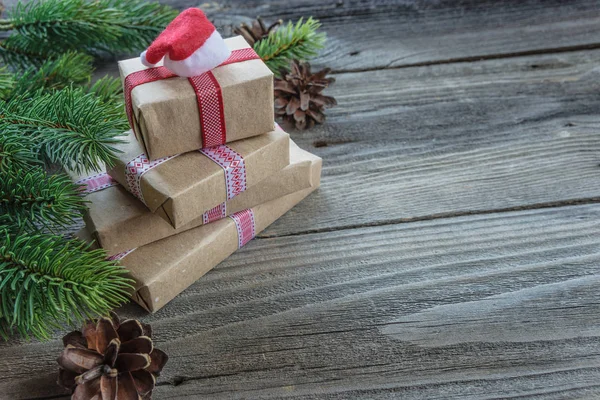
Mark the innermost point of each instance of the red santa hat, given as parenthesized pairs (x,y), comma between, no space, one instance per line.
(190,45)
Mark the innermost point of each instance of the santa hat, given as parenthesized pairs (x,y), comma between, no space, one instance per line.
(190,45)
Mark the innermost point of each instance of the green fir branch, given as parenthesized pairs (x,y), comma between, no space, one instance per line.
(7,83)
(47,280)
(142,22)
(48,27)
(17,151)
(75,129)
(68,69)
(299,41)
(109,90)
(21,52)
(31,197)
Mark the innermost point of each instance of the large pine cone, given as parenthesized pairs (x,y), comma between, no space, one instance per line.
(298,98)
(110,359)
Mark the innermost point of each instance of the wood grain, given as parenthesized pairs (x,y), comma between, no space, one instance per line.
(380,34)
(445,256)
(395,33)
(485,306)
(452,139)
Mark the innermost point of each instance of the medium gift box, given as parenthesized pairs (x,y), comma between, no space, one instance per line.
(172,115)
(182,188)
(163,269)
(118,221)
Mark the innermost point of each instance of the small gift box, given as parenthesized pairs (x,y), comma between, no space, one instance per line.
(163,269)
(172,115)
(119,222)
(182,188)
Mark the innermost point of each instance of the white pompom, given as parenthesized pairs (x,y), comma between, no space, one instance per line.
(144,60)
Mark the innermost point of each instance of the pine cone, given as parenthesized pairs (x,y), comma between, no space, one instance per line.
(110,359)
(298,98)
(256,31)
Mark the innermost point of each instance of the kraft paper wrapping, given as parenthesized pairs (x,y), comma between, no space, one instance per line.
(119,222)
(184,187)
(165,113)
(164,269)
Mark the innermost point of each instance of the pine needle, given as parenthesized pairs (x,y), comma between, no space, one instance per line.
(47,280)
(7,83)
(72,128)
(298,41)
(21,52)
(109,90)
(17,151)
(68,69)
(47,28)
(31,198)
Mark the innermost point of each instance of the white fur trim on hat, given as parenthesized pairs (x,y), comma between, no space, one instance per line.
(212,53)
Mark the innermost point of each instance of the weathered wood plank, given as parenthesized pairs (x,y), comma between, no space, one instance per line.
(453,139)
(474,307)
(394,33)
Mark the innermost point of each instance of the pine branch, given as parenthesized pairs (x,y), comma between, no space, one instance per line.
(31,197)
(16,150)
(21,52)
(109,90)
(298,41)
(46,280)
(50,27)
(143,21)
(68,69)
(72,128)
(7,83)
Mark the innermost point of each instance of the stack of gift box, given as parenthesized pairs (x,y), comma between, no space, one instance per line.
(178,200)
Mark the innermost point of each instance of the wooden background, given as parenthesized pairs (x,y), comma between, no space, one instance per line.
(453,251)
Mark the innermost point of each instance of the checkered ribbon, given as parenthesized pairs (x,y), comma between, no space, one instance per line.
(214,214)
(233,165)
(246,228)
(95,183)
(139,78)
(136,168)
(120,256)
(208,95)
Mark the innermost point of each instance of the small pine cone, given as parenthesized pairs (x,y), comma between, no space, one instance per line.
(256,31)
(298,98)
(110,359)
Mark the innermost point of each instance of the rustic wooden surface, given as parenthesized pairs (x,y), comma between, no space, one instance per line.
(453,251)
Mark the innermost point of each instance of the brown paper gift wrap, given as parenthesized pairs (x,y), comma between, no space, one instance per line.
(182,188)
(165,114)
(119,222)
(164,269)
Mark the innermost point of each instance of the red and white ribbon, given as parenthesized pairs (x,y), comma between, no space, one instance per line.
(120,256)
(215,214)
(139,78)
(208,95)
(210,108)
(233,165)
(246,228)
(136,168)
(95,183)
(225,157)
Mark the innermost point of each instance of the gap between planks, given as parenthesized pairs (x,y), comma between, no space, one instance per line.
(553,204)
(473,59)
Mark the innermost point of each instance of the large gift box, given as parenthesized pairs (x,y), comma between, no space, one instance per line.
(182,188)
(163,269)
(119,222)
(172,115)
